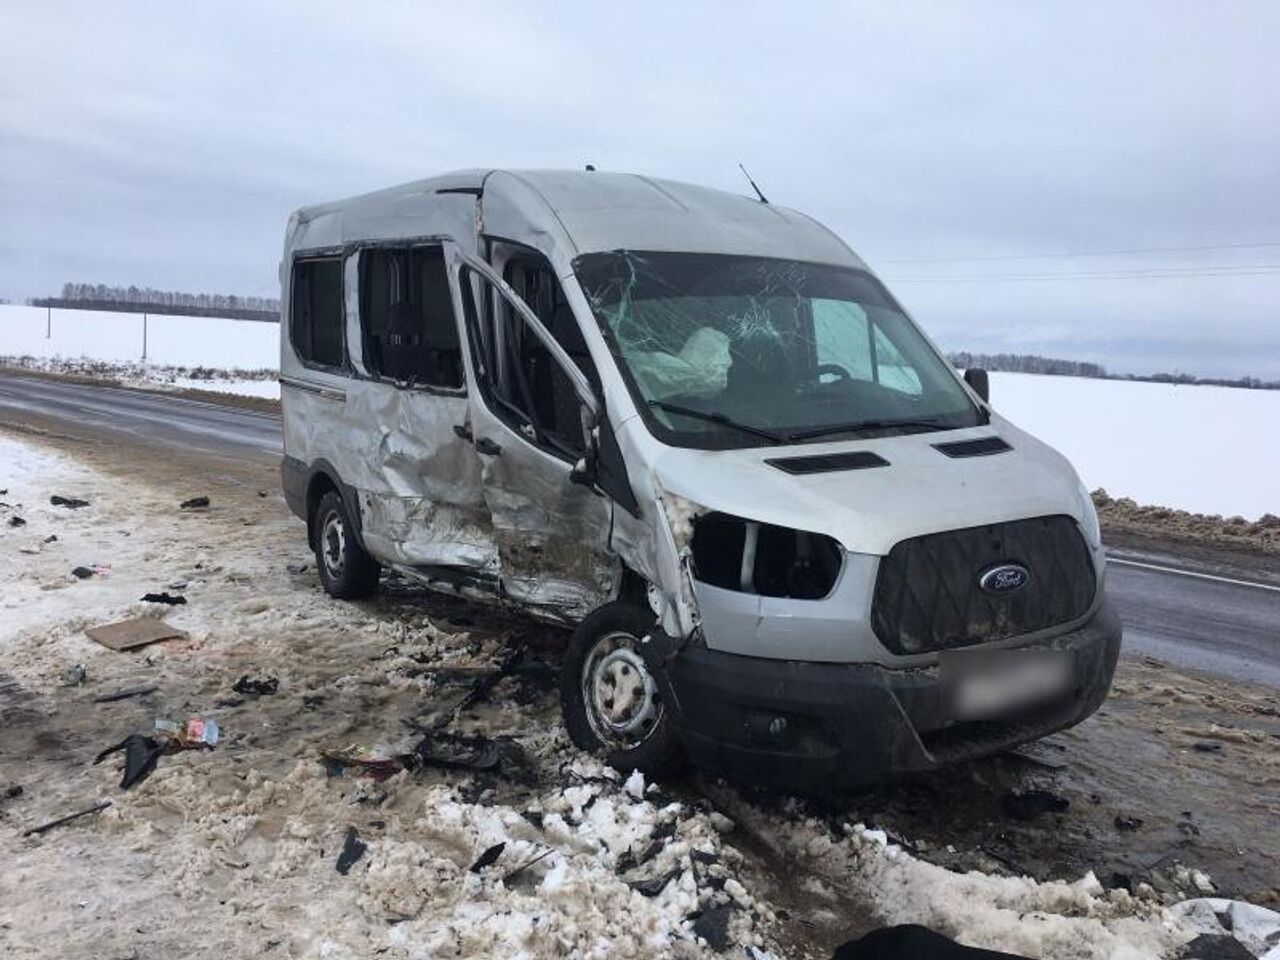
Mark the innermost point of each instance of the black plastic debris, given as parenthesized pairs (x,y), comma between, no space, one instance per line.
(13,792)
(195,503)
(353,849)
(51,538)
(488,858)
(451,752)
(512,874)
(1207,746)
(82,573)
(259,686)
(712,925)
(652,886)
(533,816)
(165,598)
(17,521)
(71,503)
(125,694)
(1121,881)
(912,942)
(1030,804)
(1126,823)
(96,808)
(140,756)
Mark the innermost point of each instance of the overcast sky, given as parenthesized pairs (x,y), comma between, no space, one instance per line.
(165,144)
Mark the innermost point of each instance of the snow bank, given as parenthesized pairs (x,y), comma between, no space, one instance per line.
(1203,449)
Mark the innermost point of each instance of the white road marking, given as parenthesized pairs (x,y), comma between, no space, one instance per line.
(1192,573)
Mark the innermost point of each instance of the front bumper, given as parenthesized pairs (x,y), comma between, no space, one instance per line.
(853,725)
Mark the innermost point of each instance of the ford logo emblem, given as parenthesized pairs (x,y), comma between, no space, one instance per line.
(1004,578)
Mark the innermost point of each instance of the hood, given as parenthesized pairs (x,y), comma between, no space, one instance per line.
(868,510)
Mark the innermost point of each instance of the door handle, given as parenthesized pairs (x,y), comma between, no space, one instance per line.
(486,446)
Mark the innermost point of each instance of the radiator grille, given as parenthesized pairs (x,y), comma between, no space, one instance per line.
(927,596)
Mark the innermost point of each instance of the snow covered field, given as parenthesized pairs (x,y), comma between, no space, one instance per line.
(1204,449)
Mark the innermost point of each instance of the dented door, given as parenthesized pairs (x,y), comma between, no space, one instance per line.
(419,483)
(551,535)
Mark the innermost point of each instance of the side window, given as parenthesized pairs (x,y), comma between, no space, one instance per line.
(406,317)
(551,401)
(316,320)
(518,377)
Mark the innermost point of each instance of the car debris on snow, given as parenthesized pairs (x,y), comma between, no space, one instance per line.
(353,848)
(1026,805)
(126,693)
(71,503)
(165,598)
(17,521)
(257,686)
(140,756)
(133,633)
(488,858)
(69,818)
(73,676)
(195,503)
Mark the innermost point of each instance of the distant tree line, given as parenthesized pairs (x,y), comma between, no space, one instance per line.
(131,299)
(1027,363)
(1031,363)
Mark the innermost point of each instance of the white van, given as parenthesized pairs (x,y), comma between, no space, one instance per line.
(792,542)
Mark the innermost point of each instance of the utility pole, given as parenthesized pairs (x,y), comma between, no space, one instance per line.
(48,323)
(144,336)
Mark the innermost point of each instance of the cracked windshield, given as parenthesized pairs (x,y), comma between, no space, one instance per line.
(724,351)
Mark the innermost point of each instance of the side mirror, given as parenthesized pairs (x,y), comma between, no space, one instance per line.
(977,379)
(584,472)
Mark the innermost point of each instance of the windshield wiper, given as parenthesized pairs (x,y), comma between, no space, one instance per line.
(722,420)
(862,425)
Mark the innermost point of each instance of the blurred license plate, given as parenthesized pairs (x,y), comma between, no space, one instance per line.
(983,684)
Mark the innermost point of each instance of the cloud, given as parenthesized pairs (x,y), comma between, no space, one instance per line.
(166,145)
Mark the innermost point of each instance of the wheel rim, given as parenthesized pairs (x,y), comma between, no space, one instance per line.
(333,545)
(619,693)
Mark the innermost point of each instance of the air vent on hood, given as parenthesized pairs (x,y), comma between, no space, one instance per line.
(982,447)
(829,462)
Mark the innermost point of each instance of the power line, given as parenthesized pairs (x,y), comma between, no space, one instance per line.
(1261,270)
(1084,253)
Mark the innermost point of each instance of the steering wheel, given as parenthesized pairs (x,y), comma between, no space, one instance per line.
(835,370)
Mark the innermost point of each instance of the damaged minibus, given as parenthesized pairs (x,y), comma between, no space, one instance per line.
(791,541)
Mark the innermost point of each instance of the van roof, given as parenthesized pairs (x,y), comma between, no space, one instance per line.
(583,212)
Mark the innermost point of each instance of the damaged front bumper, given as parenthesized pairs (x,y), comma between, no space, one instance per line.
(809,726)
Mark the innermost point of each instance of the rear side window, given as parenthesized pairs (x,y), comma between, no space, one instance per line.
(316,316)
(406,317)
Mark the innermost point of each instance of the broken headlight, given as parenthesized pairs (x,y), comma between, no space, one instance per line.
(753,557)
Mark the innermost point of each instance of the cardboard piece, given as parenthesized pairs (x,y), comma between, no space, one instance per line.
(135,633)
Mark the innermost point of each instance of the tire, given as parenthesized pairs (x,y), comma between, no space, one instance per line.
(640,735)
(347,572)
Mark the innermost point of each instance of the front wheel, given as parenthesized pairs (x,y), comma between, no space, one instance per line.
(346,570)
(611,702)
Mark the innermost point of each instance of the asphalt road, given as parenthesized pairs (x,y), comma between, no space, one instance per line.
(1182,612)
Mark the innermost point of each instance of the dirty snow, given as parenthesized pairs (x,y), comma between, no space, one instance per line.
(239,843)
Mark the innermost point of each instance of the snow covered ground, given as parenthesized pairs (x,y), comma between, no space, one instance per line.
(1203,449)
(232,852)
